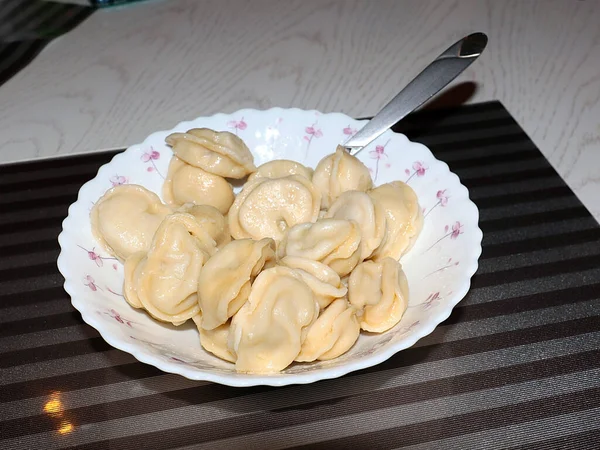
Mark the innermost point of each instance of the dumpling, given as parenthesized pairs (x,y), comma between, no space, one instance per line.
(131,271)
(220,153)
(404,219)
(333,242)
(213,222)
(322,279)
(189,184)
(267,207)
(267,332)
(125,219)
(334,332)
(345,280)
(215,340)
(225,281)
(279,168)
(338,173)
(370,216)
(380,291)
(165,281)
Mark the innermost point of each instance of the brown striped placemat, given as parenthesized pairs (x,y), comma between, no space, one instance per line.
(516,366)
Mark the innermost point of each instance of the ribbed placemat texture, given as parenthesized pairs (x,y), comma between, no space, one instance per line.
(517,365)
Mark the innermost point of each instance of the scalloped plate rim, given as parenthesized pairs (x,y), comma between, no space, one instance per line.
(282,379)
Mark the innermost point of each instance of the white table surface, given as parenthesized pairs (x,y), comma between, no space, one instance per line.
(126,72)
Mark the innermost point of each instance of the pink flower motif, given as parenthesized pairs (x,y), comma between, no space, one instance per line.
(118,180)
(150,155)
(113,292)
(114,266)
(313,131)
(388,165)
(441,269)
(452,233)
(99,260)
(419,168)
(442,197)
(237,125)
(349,131)
(377,154)
(177,360)
(456,230)
(431,300)
(405,330)
(94,256)
(115,315)
(91,283)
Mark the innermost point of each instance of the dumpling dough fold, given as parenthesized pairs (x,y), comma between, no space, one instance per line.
(213,222)
(333,242)
(279,168)
(322,279)
(370,216)
(380,291)
(132,269)
(219,153)
(333,333)
(125,219)
(164,281)
(189,184)
(267,207)
(215,340)
(338,173)
(225,281)
(267,332)
(404,219)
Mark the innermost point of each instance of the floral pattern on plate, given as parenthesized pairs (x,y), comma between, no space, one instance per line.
(439,266)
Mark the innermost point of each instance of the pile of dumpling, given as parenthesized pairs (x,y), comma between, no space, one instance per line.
(290,269)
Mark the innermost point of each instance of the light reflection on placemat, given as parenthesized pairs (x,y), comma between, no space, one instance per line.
(516,365)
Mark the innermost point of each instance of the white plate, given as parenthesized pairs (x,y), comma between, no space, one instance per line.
(439,267)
